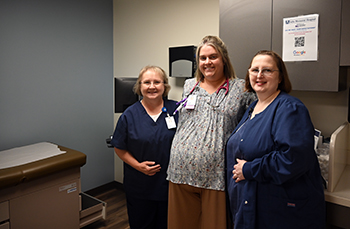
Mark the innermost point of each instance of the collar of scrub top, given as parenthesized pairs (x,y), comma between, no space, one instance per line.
(183,102)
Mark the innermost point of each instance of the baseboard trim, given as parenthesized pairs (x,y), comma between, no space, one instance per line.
(104,187)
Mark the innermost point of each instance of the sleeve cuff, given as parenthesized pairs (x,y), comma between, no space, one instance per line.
(247,171)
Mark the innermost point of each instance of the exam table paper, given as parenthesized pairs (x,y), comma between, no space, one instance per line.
(26,154)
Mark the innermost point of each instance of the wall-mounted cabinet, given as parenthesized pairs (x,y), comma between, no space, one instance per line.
(252,25)
(345,34)
(245,27)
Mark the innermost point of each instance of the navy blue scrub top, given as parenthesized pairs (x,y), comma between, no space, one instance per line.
(146,140)
(283,183)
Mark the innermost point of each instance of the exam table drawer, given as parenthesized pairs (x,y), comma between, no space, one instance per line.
(4,213)
(92,209)
(5,225)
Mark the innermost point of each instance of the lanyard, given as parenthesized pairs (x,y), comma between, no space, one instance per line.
(184,101)
(170,121)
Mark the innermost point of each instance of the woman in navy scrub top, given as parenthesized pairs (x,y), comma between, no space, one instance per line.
(273,174)
(142,139)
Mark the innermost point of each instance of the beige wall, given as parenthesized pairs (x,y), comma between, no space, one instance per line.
(328,110)
(144,30)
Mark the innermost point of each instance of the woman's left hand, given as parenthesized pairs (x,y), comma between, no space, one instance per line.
(237,172)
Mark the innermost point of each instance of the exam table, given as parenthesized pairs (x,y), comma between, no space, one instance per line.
(45,192)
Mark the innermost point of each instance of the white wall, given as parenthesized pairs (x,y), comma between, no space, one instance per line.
(144,31)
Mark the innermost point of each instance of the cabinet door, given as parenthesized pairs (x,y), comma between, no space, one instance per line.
(245,27)
(55,207)
(345,34)
(323,74)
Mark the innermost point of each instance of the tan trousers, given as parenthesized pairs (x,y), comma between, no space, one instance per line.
(190,208)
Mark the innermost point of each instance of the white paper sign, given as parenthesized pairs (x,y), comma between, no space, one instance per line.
(300,38)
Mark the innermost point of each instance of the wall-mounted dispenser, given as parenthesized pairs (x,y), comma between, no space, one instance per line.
(182,61)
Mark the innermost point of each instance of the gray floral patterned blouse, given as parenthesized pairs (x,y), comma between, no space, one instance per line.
(197,152)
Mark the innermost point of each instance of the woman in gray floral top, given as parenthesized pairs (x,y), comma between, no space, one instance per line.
(212,105)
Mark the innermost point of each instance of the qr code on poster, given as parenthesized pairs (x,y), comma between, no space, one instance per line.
(299,41)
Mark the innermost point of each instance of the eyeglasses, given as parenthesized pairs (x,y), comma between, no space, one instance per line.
(149,83)
(264,71)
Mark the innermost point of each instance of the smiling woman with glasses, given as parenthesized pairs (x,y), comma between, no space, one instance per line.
(142,139)
(273,175)
(163,80)
(279,67)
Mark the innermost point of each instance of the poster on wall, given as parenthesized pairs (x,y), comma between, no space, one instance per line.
(300,38)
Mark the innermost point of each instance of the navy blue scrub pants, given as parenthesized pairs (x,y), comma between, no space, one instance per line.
(147,214)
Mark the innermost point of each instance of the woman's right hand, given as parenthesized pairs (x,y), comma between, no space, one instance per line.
(238,170)
(149,168)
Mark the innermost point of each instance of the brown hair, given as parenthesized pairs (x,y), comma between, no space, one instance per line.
(285,84)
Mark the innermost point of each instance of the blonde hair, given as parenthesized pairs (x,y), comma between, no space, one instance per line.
(137,86)
(221,48)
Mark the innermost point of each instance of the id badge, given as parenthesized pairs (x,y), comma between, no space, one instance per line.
(191,102)
(170,122)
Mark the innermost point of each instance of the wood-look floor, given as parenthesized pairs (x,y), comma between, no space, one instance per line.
(116,214)
(117,218)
